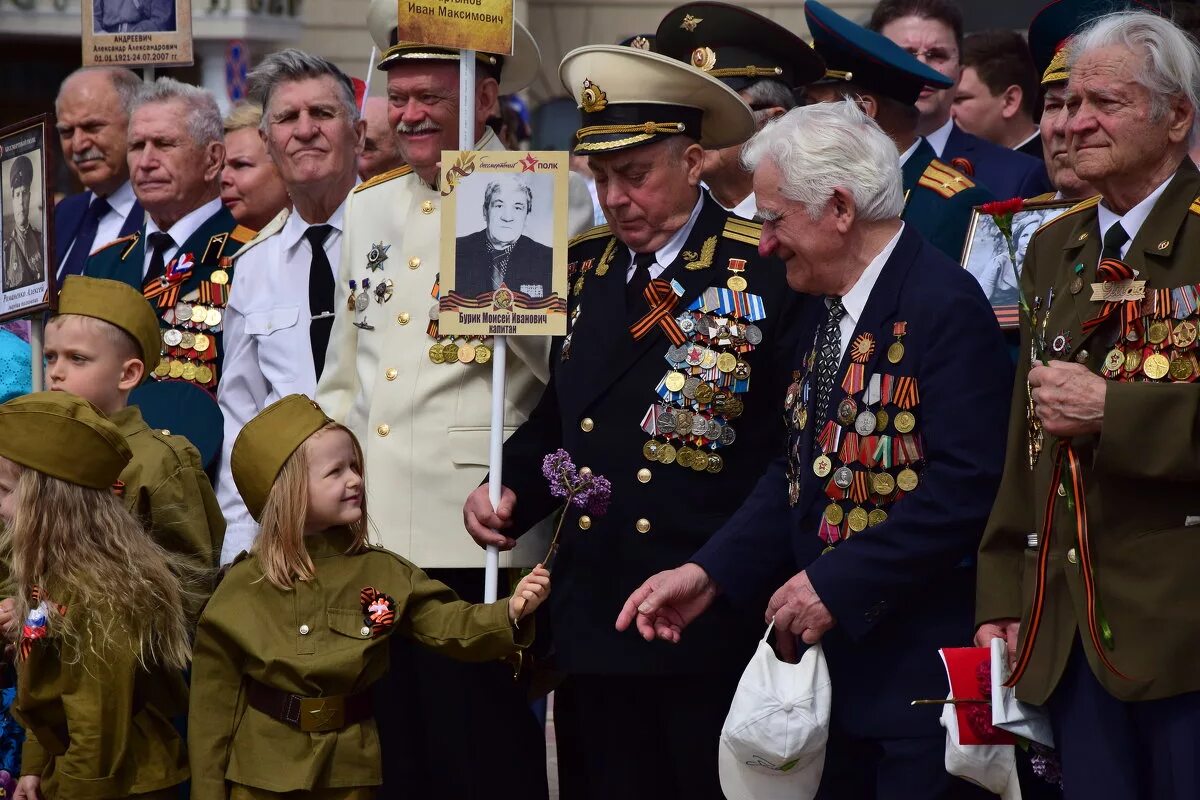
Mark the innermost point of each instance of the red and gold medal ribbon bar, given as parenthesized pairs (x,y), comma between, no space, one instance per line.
(662,300)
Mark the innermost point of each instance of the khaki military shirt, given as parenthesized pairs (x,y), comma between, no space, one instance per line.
(314,641)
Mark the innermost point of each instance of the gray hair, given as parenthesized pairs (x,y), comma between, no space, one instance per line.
(768,93)
(511,180)
(1170,58)
(203,116)
(824,146)
(125,82)
(286,66)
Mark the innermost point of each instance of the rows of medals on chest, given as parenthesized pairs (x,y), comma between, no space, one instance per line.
(700,391)
(189,346)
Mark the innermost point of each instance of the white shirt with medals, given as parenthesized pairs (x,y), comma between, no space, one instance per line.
(424,426)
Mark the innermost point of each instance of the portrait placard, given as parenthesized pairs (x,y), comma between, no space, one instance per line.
(25,236)
(985,255)
(504,230)
(485,25)
(136,33)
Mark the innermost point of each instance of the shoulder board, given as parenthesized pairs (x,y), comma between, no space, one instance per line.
(1042,198)
(945,181)
(242,234)
(1084,205)
(398,172)
(1195,206)
(591,233)
(742,230)
(131,239)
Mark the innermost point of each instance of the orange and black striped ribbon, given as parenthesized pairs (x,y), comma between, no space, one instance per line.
(1064,455)
(662,300)
(848,453)
(859,489)
(1111,270)
(165,294)
(906,392)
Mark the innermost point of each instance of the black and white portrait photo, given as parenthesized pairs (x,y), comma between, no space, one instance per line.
(133,16)
(510,243)
(23,221)
(986,253)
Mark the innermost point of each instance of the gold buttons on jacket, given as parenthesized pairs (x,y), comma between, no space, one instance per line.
(586,424)
(391,374)
(644,475)
(642,525)
(403,317)
(427,207)
(384,429)
(1072,556)
(365,631)
(414,262)
(304,629)
(585,522)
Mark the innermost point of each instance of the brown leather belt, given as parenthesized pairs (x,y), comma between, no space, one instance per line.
(310,714)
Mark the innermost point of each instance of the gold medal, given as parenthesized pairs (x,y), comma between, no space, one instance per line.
(802,419)
(435,354)
(905,422)
(202,343)
(667,453)
(483,354)
(1156,367)
(881,421)
(847,410)
(734,408)
(213,318)
(883,484)
(741,370)
(876,516)
(699,461)
(352,302)
(1133,360)
(895,352)
(683,420)
(822,466)
(163,369)
(684,457)
(650,450)
(1181,369)
(907,480)
(715,464)
(466,354)
(834,514)
(219,277)
(857,519)
(199,312)
(726,362)
(176,370)
(188,340)
(675,380)
(704,393)
(1184,334)
(189,371)
(203,374)
(737,283)
(1158,331)
(1114,360)
(449,353)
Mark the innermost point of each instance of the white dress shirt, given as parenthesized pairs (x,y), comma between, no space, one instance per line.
(120,205)
(1133,219)
(907,154)
(747,209)
(268,353)
(180,232)
(855,300)
(937,140)
(667,254)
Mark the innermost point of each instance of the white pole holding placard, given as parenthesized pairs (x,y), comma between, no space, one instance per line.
(362,107)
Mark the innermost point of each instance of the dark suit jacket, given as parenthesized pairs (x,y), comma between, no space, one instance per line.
(179,406)
(530,265)
(1140,474)
(901,589)
(593,408)
(1005,172)
(68,216)
(1033,148)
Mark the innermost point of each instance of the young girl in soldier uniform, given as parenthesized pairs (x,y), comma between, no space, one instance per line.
(103,643)
(295,634)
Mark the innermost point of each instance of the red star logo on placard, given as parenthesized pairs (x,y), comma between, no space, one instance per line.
(528,164)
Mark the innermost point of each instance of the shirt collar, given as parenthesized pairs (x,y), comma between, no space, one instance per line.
(912,148)
(182,230)
(1132,219)
(855,300)
(665,256)
(1036,133)
(122,199)
(937,139)
(295,226)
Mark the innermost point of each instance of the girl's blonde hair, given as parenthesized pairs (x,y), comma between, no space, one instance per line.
(244,115)
(83,550)
(280,544)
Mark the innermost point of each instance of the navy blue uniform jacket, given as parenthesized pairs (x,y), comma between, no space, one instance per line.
(901,589)
(68,216)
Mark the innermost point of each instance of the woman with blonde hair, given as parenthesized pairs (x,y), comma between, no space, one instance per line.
(103,642)
(251,187)
(296,633)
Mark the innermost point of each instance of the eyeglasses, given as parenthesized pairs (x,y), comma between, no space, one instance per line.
(934,55)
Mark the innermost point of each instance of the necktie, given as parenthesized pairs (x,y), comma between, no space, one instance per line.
(1114,240)
(320,294)
(829,356)
(160,243)
(635,304)
(85,239)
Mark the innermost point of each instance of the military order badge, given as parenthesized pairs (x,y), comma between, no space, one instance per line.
(24,220)
(504,228)
(134,33)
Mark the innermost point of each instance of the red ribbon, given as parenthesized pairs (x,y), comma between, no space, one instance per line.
(662,300)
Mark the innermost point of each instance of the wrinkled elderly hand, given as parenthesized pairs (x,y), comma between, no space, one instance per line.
(1068,398)
(798,610)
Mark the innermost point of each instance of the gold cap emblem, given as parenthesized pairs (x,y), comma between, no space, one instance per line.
(689,22)
(592,99)
(704,58)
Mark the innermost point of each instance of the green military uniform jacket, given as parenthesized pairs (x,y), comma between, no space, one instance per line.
(100,728)
(1140,473)
(313,641)
(939,200)
(165,486)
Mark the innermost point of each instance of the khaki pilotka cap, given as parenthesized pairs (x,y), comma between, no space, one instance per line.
(266,442)
(118,304)
(64,436)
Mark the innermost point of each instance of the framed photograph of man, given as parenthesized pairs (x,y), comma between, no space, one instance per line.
(504,230)
(25,234)
(137,33)
(985,255)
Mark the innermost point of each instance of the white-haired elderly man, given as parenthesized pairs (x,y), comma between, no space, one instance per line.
(281,310)
(177,258)
(1086,569)
(879,503)
(423,418)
